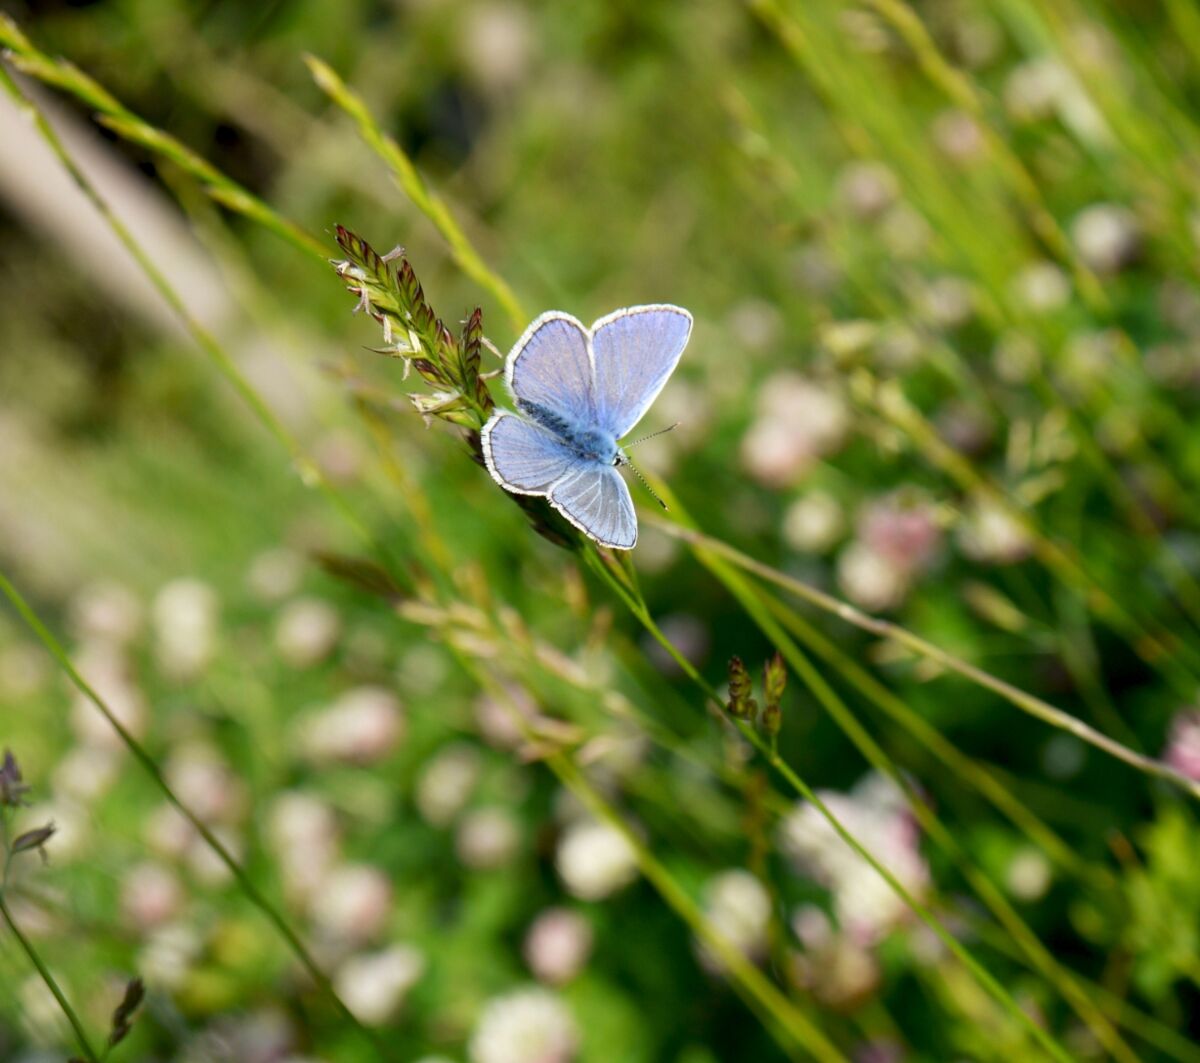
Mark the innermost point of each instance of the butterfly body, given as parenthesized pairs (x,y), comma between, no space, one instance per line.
(579,392)
(589,442)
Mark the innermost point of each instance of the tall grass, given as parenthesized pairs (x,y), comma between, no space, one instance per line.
(442,592)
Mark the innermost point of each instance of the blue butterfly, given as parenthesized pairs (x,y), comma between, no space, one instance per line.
(581,391)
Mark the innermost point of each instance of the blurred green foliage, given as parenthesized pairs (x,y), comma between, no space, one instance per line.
(943,264)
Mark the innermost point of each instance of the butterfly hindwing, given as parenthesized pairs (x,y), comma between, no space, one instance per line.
(522,456)
(596,500)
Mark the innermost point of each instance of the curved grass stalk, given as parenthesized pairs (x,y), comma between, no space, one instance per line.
(1033,949)
(50,981)
(405,174)
(307,469)
(245,883)
(63,75)
(963,92)
(791,1028)
(885,629)
(969,771)
(801,30)
(771,755)
(1131,1018)
(1159,648)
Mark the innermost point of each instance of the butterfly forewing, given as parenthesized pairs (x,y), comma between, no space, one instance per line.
(550,369)
(635,351)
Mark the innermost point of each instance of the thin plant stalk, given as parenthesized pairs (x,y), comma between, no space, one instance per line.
(885,629)
(1031,946)
(409,180)
(771,755)
(790,1026)
(27,58)
(50,981)
(968,770)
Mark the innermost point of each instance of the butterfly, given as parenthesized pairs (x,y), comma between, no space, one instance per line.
(579,392)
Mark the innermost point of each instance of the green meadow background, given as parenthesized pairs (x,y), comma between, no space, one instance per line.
(347,762)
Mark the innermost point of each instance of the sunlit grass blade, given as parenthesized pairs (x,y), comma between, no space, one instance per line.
(413,185)
(1034,951)
(771,755)
(885,629)
(49,980)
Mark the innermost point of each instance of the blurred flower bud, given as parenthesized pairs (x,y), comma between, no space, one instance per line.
(755,324)
(799,421)
(1183,744)
(989,533)
(866,189)
(204,862)
(275,574)
(738,908)
(948,302)
(106,610)
(870,579)
(558,945)
(1028,875)
(86,773)
(814,522)
(302,832)
(185,627)
(203,780)
(524,1026)
(307,631)
(168,955)
(902,527)
(105,668)
(1042,287)
(487,838)
(497,41)
(374,985)
(1107,236)
(353,903)
(363,726)
(447,782)
(151,895)
(595,860)
(958,135)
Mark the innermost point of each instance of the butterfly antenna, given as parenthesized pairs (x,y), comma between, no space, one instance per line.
(660,432)
(637,472)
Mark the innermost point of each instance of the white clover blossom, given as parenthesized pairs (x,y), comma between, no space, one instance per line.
(446,783)
(876,814)
(185,627)
(594,860)
(738,908)
(557,945)
(374,984)
(525,1026)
